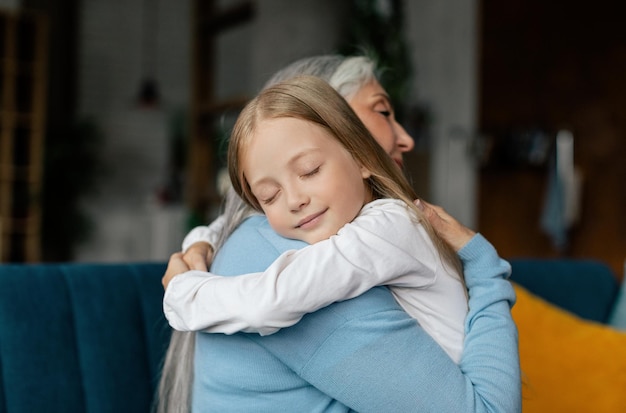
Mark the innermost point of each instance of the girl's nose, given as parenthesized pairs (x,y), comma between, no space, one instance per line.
(296,200)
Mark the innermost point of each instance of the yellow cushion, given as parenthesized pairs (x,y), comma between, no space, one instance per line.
(568,364)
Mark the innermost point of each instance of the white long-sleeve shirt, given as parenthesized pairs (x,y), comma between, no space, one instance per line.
(382,246)
(208,233)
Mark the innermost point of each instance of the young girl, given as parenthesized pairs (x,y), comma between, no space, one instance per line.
(299,154)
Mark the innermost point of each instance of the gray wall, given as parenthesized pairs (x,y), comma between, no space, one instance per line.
(131,224)
(443,40)
(10,4)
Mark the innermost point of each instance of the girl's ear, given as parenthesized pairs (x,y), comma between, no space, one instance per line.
(365,173)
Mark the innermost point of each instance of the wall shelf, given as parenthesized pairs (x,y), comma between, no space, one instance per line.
(23,61)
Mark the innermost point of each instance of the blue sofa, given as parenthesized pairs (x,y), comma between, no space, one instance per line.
(80,337)
(90,337)
(587,288)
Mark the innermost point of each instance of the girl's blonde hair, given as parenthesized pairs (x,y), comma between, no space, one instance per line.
(313,100)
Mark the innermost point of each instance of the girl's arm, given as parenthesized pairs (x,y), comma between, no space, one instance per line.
(381,246)
(198,249)
(200,244)
(208,234)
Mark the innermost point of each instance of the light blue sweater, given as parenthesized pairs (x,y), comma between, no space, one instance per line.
(364,354)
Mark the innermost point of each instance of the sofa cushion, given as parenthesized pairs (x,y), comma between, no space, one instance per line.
(586,288)
(568,364)
(80,337)
(618,314)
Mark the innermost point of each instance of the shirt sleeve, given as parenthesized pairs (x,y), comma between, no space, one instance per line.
(208,234)
(383,361)
(381,246)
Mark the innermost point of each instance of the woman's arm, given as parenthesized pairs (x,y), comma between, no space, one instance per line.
(381,360)
(372,356)
(490,329)
(491,334)
(381,246)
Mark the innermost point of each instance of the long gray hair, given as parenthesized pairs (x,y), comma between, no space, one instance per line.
(347,75)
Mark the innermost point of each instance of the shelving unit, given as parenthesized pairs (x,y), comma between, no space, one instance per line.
(209,22)
(23,60)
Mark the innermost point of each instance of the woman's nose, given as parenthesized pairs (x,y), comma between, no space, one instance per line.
(404,141)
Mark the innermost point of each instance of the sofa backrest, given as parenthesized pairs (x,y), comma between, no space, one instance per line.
(91,337)
(587,288)
(80,337)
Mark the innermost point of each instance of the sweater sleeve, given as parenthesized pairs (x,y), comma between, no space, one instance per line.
(208,234)
(383,361)
(381,246)
(491,334)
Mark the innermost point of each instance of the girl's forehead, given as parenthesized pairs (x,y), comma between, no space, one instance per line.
(288,135)
(283,126)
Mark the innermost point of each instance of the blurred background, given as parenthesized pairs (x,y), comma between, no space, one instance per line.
(114,115)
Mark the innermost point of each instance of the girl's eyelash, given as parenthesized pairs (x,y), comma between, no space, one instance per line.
(385,113)
(313,172)
(268,200)
(272,198)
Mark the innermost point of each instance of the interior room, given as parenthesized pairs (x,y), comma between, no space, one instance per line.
(483,83)
(115,117)
(98,74)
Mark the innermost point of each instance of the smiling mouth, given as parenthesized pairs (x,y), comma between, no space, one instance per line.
(310,219)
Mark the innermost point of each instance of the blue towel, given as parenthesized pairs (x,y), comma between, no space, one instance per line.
(562,201)
(553,221)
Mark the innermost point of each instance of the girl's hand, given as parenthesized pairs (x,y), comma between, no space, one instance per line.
(448,228)
(199,256)
(175,266)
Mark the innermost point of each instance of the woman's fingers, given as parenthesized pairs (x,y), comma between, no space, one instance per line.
(445,225)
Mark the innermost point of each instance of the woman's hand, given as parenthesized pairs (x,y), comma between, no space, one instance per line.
(448,228)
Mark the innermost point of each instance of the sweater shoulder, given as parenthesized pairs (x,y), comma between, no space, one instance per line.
(252,247)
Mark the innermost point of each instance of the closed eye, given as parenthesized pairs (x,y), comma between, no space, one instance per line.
(267,197)
(311,173)
(269,200)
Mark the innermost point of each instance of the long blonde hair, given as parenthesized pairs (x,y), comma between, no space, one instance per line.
(313,100)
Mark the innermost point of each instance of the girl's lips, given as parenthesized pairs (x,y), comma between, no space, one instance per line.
(399,163)
(308,220)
